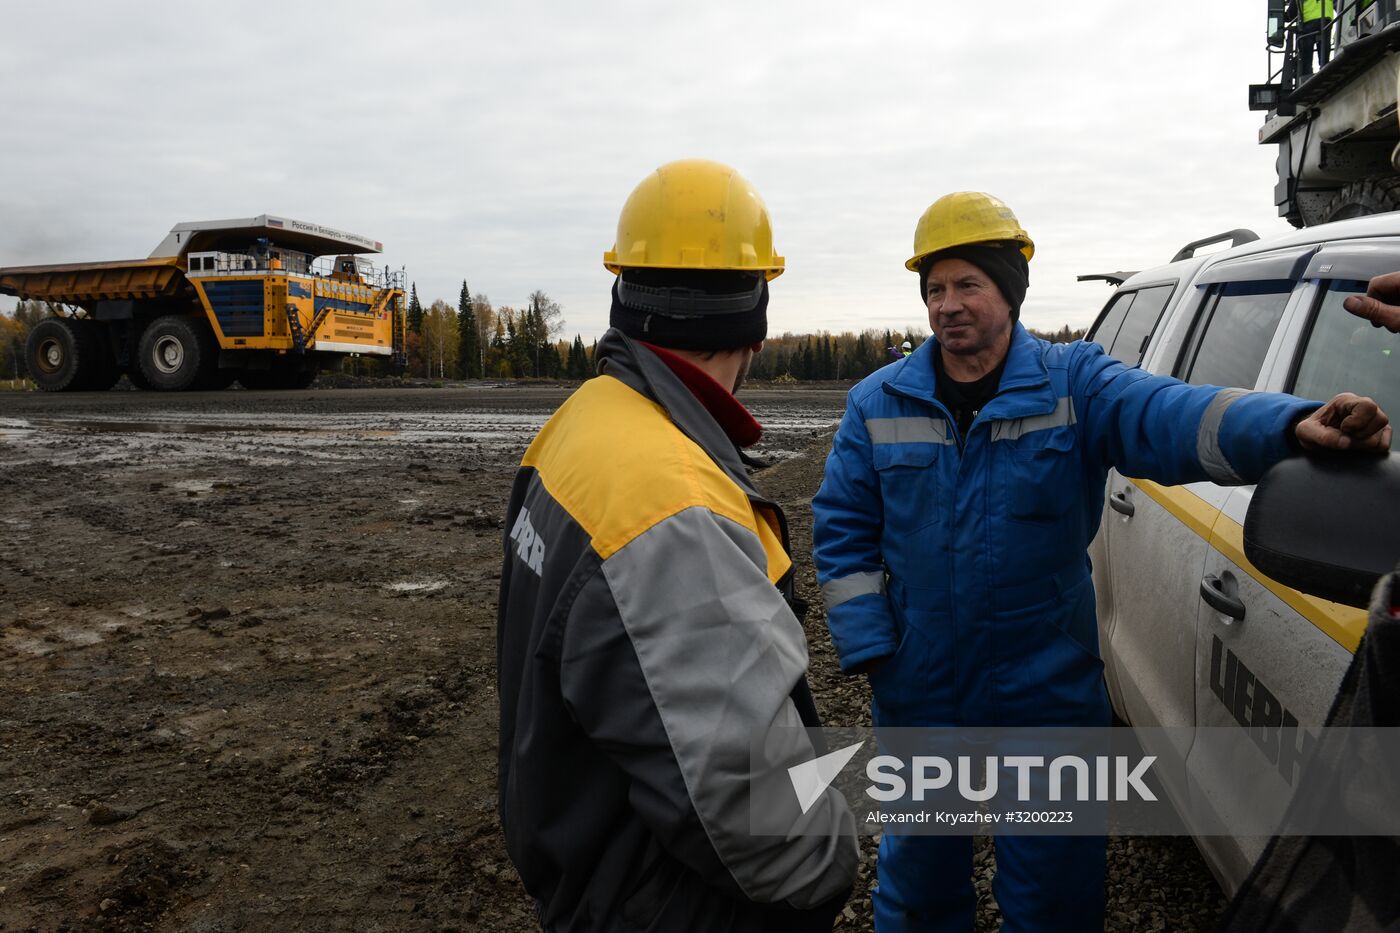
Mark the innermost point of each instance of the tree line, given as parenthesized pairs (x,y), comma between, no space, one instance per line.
(475,340)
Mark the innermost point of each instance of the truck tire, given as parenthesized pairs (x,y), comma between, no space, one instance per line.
(175,352)
(278,377)
(53,355)
(256,379)
(218,379)
(97,364)
(1375,195)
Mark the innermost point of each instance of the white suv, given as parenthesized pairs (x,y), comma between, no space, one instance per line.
(1193,635)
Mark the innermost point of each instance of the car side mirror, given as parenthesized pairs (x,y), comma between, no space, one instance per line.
(1327,524)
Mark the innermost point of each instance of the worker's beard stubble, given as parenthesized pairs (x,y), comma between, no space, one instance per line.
(743,372)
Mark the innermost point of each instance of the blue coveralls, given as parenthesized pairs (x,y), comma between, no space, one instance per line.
(964,561)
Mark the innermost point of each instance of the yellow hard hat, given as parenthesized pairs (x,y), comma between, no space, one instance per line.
(965,217)
(694,214)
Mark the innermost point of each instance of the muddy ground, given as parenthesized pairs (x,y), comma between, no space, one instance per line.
(246,662)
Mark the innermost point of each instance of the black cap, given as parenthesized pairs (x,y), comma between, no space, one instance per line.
(1002,261)
(690,309)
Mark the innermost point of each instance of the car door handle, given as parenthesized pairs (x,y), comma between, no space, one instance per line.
(1219,600)
(1119,503)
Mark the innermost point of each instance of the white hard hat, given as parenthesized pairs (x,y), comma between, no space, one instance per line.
(907,345)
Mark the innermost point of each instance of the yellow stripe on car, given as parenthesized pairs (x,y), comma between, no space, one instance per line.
(1343,624)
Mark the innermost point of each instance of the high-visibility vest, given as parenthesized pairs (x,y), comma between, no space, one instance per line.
(1316,9)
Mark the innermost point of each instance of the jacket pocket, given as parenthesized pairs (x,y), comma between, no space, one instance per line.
(1043,482)
(915,687)
(908,485)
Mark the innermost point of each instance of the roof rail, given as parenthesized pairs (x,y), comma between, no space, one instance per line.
(1237,237)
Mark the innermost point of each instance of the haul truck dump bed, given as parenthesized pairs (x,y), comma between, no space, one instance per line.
(264,300)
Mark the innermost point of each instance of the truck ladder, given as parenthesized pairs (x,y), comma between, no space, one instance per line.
(399,338)
(294,325)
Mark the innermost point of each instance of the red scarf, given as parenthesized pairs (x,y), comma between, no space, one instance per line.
(731,414)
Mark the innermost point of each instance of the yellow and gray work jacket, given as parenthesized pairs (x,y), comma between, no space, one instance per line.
(644,641)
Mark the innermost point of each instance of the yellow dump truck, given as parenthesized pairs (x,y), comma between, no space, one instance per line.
(265,300)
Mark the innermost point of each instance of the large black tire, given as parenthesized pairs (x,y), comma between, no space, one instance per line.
(218,379)
(175,353)
(52,355)
(97,363)
(70,355)
(136,377)
(256,379)
(1375,195)
(292,375)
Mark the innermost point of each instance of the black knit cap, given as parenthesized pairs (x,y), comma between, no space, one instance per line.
(1002,261)
(691,309)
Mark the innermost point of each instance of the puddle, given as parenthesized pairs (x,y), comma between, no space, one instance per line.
(172,427)
(80,637)
(488,435)
(425,586)
(15,429)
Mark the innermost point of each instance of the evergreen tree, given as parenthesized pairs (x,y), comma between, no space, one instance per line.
(530,340)
(577,367)
(415,312)
(513,349)
(469,338)
(551,365)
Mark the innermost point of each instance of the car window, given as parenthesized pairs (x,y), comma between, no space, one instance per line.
(1232,334)
(1139,323)
(1344,353)
(1110,320)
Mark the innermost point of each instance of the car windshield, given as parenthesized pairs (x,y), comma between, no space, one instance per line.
(1346,354)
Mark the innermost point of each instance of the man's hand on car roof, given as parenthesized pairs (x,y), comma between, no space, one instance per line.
(1348,422)
(1381,303)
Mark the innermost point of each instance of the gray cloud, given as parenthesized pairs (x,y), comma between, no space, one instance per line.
(496,144)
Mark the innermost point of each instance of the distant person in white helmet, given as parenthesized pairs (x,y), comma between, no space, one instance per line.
(648,626)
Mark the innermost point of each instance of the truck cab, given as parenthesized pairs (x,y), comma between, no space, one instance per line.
(1334,125)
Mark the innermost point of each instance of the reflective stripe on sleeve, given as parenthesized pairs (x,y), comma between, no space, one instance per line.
(907,431)
(843,589)
(1208,438)
(1062,416)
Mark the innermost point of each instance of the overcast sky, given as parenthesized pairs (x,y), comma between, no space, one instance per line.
(496,143)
